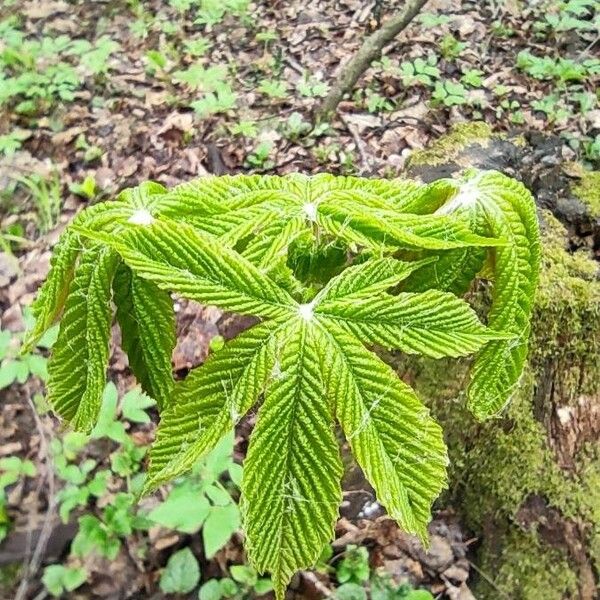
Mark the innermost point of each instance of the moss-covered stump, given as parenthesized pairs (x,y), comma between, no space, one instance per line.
(528,482)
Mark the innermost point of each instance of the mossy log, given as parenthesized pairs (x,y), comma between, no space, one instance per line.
(528,482)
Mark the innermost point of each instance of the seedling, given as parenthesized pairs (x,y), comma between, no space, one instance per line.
(330,267)
(423,71)
(86,189)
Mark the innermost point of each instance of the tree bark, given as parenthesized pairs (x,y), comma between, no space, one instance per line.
(369,51)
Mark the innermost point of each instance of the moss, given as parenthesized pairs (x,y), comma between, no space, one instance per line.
(449,146)
(566,324)
(588,188)
(526,565)
(497,466)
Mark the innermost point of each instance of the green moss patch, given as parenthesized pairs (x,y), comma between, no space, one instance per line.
(588,190)
(449,146)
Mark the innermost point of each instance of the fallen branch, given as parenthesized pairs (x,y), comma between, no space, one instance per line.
(369,51)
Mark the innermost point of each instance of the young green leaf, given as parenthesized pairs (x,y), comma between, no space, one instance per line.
(77,367)
(399,447)
(508,211)
(182,573)
(431,323)
(208,404)
(50,300)
(147,321)
(177,257)
(291,487)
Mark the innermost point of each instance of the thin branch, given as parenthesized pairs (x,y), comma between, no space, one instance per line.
(31,569)
(360,147)
(369,51)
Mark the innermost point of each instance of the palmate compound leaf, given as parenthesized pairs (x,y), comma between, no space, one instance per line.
(502,207)
(261,216)
(147,321)
(307,361)
(310,367)
(77,367)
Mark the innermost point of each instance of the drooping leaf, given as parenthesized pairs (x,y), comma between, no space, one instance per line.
(176,257)
(50,300)
(455,269)
(399,447)
(210,401)
(291,485)
(147,321)
(507,210)
(77,367)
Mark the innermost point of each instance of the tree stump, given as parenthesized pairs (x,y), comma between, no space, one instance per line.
(528,482)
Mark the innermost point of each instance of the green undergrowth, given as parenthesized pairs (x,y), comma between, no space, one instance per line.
(497,466)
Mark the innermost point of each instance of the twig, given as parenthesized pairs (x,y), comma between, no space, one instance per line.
(317,584)
(369,51)
(33,566)
(360,146)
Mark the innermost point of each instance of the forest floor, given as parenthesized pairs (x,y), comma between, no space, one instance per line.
(99,96)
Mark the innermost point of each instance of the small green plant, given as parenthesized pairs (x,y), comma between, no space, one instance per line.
(354,567)
(213,12)
(182,573)
(243,584)
(58,579)
(330,266)
(563,70)
(259,157)
(221,100)
(311,87)
(86,189)
(273,89)
(12,141)
(45,193)
(17,365)
(571,16)
(12,469)
(382,587)
(197,47)
(295,126)
(201,501)
(472,77)
(430,20)
(90,152)
(421,70)
(450,47)
(377,103)
(449,93)
(244,128)
(552,107)
(198,77)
